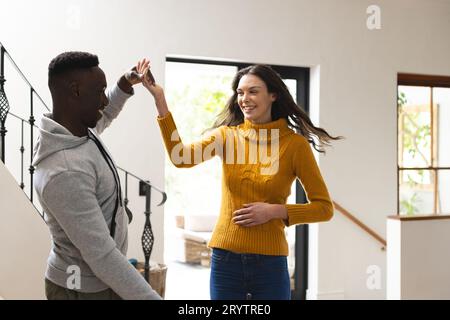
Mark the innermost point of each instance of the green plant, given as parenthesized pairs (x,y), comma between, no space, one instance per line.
(409,206)
(416,138)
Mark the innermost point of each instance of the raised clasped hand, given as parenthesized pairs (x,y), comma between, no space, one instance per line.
(136,74)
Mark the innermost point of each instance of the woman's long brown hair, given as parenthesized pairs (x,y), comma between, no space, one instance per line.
(283,107)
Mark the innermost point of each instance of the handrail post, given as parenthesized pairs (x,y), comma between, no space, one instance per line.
(147,239)
(22,150)
(4,105)
(125,201)
(31,121)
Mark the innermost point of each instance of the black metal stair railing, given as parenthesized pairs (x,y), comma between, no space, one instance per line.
(147,240)
(4,104)
(5,107)
(22,152)
(145,187)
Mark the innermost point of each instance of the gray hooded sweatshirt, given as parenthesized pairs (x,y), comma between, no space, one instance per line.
(78,192)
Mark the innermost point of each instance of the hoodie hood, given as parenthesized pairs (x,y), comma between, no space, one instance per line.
(53,137)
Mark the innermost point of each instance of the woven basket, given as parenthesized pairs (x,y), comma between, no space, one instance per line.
(197,252)
(158,274)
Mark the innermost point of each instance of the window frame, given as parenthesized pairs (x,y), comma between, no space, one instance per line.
(430,81)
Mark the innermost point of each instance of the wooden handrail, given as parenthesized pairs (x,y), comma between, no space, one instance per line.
(360,224)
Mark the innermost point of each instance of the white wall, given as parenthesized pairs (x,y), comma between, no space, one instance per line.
(357,93)
(24,245)
(418,261)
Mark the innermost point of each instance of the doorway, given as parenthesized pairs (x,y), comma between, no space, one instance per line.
(196,92)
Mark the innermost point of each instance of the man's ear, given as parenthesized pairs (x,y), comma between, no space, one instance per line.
(74,88)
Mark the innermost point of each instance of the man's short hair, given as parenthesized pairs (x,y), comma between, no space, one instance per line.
(71,60)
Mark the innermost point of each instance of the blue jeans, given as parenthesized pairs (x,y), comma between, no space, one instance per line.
(248,276)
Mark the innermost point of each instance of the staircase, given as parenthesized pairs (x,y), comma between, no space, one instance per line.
(24,238)
(25,243)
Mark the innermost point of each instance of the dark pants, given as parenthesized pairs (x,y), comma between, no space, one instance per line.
(248,276)
(55,292)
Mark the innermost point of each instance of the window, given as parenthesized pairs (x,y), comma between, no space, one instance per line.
(423,144)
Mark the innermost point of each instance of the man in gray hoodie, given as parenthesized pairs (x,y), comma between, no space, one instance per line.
(78,186)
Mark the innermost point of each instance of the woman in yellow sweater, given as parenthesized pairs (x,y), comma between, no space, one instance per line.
(262,155)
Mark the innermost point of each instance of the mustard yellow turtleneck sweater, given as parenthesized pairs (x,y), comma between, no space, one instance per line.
(259,163)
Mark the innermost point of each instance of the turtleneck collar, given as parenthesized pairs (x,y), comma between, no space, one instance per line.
(251,130)
(277,124)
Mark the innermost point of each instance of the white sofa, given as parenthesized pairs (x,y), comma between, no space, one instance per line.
(194,231)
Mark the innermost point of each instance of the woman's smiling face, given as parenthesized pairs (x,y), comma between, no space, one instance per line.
(254,99)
